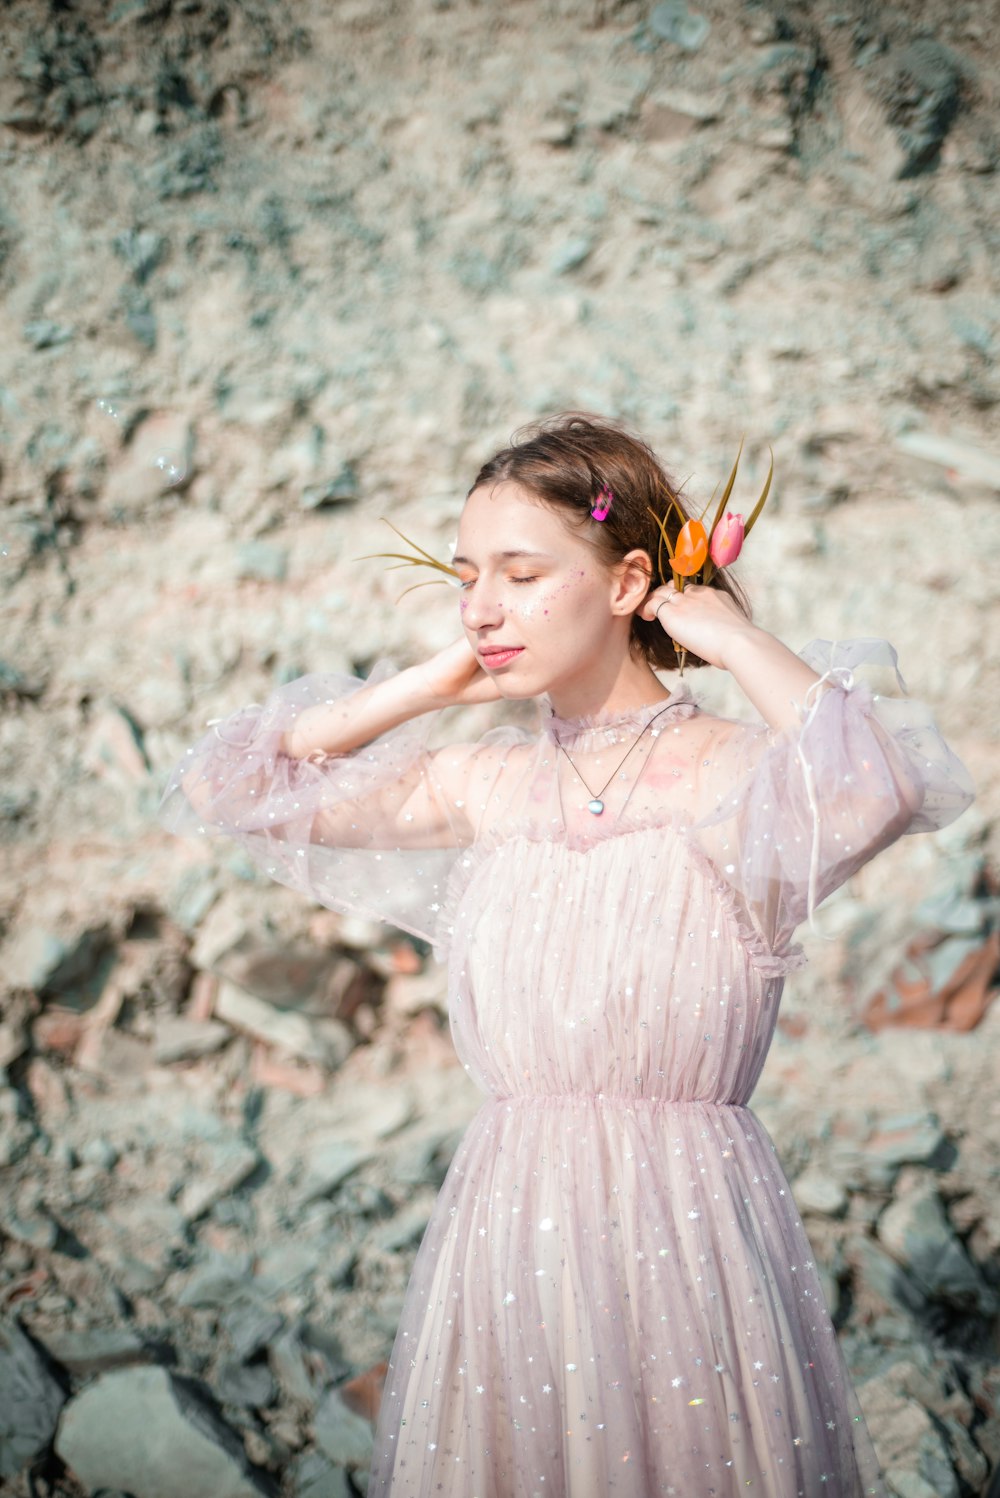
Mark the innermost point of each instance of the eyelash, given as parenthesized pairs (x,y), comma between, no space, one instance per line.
(471,580)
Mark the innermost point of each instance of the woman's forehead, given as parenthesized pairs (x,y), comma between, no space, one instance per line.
(506,517)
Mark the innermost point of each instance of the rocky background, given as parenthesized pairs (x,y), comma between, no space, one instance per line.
(269,272)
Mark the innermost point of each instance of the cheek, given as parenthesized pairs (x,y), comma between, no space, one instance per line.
(566,600)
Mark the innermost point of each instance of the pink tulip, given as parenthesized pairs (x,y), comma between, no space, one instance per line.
(727,540)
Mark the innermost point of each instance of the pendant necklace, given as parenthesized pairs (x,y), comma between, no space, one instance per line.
(595,805)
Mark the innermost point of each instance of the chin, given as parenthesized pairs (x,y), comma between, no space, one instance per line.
(516,692)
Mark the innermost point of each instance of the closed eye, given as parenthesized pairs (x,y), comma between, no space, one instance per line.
(467,582)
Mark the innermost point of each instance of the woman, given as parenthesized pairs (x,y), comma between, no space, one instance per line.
(615,1294)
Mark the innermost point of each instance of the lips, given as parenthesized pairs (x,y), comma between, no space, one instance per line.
(495,656)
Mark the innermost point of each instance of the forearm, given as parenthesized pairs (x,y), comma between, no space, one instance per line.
(773,678)
(337,727)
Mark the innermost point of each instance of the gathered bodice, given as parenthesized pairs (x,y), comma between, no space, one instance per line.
(631,974)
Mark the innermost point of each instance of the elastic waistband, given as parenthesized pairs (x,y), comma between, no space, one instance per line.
(610,1099)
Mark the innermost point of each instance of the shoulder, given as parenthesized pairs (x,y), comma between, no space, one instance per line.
(484,758)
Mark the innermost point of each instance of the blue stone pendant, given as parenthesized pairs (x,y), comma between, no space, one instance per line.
(595,806)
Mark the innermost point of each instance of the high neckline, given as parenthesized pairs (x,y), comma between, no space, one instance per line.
(612,727)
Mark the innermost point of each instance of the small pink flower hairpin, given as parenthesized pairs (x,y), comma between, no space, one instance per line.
(602,508)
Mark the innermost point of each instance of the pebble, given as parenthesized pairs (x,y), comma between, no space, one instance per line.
(95,1349)
(30,1400)
(330,1162)
(144,1432)
(916,1231)
(181,1039)
(250,1385)
(222,1168)
(315,1477)
(571,254)
(219,1281)
(815,1191)
(345,1437)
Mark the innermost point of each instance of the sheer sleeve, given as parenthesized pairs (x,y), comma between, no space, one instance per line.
(797,813)
(372,832)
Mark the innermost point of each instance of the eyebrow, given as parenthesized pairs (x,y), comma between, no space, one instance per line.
(503,556)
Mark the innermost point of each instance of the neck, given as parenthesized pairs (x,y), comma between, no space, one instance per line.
(618,688)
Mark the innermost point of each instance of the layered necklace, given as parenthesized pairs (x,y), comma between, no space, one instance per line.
(596,804)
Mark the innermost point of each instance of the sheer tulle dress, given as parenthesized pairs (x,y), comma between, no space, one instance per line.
(615,1294)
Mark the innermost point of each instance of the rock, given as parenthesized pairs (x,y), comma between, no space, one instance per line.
(301,977)
(159,455)
(250,1386)
(815,1191)
(910,1485)
(250,1327)
(30,1400)
(95,1350)
(405,1229)
(909,1445)
(147,1433)
(99,1152)
(343,488)
(908,1139)
(916,1231)
(14,1037)
(406,994)
(135,1239)
(964,459)
(315,1477)
(219,1281)
(261,560)
(881,1277)
(326,1042)
(142,251)
(970,1463)
(571,254)
(181,1039)
(291,1367)
(673,22)
(140,318)
(43,334)
(114,747)
(345,1437)
(16,1138)
(33,1229)
(282,1266)
(223,1166)
(39,959)
(330,1161)
(923,87)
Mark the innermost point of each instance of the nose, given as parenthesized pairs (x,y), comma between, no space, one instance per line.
(481,608)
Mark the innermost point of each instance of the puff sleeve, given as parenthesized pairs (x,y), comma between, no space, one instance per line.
(374,831)
(798,812)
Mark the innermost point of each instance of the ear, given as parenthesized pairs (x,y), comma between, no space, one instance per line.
(632,578)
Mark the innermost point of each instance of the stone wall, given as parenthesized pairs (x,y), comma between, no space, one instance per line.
(269,272)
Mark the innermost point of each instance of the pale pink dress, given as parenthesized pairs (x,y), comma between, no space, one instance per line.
(615,1294)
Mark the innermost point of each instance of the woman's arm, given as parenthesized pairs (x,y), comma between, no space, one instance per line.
(299,768)
(450,678)
(707,622)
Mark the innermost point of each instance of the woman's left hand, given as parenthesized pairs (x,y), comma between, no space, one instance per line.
(705,621)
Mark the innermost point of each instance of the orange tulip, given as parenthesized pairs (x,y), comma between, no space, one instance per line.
(691,549)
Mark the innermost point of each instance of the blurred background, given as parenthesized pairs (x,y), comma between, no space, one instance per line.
(271,272)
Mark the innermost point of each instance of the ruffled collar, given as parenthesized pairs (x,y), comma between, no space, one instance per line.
(599,729)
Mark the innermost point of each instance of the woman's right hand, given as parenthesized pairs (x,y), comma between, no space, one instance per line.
(454,676)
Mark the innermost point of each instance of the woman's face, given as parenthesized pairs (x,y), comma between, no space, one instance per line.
(540,609)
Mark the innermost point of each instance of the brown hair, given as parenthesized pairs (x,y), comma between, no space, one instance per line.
(565,462)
